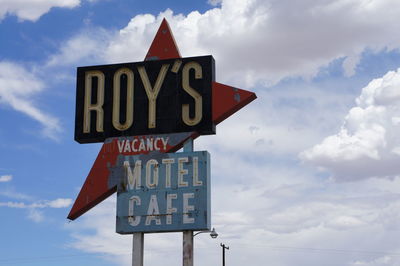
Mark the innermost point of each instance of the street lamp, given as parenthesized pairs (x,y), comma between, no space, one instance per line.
(223,253)
(213,233)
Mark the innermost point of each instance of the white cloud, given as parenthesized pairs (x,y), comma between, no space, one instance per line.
(368,143)
(214,2)
(34,212)
(104,240)
(18,86)
(5,178)
(384,260)
(272,124)
(87,46)
(32,10)
(10,204)
(282,218)
(35,215)
(60,203)
(262,41)
(57,203)
(117,248)
(350,63)
(11,193)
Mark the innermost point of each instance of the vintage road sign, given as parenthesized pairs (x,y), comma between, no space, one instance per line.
(99,184)
(149,97)
(163,192)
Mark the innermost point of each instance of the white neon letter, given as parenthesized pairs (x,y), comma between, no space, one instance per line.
(168,163)
(196,181)
(132,219)
(98,106)
(152,92)
(153,213)
(187,208)
(133,179)
(182,172)
(129,99)
(198,101)
(170,209)
(152,174)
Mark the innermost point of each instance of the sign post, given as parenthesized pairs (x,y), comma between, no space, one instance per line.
(187,248)
(137,249)
(144,112)
(187,236)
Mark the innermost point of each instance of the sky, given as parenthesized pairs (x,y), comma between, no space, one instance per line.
(307,174)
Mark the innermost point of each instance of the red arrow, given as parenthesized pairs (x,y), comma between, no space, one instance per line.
(226,100)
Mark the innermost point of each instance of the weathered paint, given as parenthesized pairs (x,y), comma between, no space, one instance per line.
(226,100)
(163,45)
(163,192)
(187,248)
(149,97)
(99,183)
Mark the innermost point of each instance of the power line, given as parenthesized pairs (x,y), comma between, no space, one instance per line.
(331,250)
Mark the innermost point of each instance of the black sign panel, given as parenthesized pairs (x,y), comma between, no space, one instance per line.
(150,97)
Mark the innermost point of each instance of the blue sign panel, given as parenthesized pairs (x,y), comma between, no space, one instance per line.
(163,192)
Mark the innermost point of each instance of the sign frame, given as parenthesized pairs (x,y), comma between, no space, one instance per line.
(140,98)
(171,193)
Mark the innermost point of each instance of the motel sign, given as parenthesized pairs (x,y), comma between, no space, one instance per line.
(164,192)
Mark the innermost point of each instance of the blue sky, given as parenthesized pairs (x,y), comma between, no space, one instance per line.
(305,175)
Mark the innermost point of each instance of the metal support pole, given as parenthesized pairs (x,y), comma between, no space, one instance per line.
(223,253)
(187,245)
(137,249)
(188,145)
(187,248)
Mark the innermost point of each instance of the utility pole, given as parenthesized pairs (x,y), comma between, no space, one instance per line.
(223,253)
